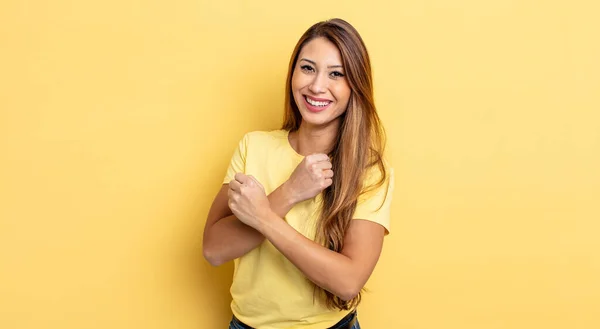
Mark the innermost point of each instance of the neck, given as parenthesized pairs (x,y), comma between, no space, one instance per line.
(310,139)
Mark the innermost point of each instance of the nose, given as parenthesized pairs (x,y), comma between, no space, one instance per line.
(318,84)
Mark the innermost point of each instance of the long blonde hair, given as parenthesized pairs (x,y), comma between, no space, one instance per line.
(359,143)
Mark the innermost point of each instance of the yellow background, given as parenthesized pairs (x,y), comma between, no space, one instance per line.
(118,119)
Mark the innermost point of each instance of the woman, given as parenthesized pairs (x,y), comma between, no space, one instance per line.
(304,252)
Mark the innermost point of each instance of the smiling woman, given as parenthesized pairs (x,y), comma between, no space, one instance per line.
(318,83)
(303,211)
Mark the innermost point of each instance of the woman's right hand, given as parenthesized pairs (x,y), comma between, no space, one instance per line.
(312,176)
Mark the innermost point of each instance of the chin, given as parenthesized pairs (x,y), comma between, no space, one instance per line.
(313,119)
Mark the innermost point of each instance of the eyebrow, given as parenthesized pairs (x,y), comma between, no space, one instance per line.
(315,64)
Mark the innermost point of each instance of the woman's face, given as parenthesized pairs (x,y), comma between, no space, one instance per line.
(319,84)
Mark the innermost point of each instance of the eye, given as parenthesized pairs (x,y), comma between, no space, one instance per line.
(307,68)
(336,74)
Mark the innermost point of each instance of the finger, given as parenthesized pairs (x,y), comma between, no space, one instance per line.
(317,157)
(256,182)
(319,168)
(327,183)
(322,165)
(234,185)
(241,178)
(328,173)
(233,195)
(231,205)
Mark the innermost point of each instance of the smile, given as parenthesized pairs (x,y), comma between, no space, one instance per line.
(316,105)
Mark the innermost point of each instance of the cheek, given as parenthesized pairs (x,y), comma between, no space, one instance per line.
(295,88)
(298,82)
(294,82)
(342,94)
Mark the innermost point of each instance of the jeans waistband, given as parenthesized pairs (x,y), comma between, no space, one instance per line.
(346,322)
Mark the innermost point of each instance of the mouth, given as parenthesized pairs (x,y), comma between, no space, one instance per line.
(316,105)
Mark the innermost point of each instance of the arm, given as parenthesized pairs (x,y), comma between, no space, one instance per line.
(343,274)
(226,237)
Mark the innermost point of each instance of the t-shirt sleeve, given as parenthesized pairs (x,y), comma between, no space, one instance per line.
(375,205)
(238,160)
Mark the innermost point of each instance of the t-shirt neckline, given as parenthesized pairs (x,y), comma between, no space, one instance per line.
(289,145)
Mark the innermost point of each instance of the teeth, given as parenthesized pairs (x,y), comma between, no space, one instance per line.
(315,103)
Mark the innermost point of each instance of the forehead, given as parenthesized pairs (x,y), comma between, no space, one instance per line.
(321,51)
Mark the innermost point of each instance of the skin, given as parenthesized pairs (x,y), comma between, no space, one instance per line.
(242,215)
(319,74)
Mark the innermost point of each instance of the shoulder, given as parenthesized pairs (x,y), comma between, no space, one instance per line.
(378,173)
(378,181)
(374,202)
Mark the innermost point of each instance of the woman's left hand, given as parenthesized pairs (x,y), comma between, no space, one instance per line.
(248,200)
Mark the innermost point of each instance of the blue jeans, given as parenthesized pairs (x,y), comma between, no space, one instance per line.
(236,324)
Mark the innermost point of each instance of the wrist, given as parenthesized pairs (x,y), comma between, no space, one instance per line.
(289,195)
(266,220)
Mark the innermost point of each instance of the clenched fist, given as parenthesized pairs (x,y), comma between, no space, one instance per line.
(312,176)
(247,200)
